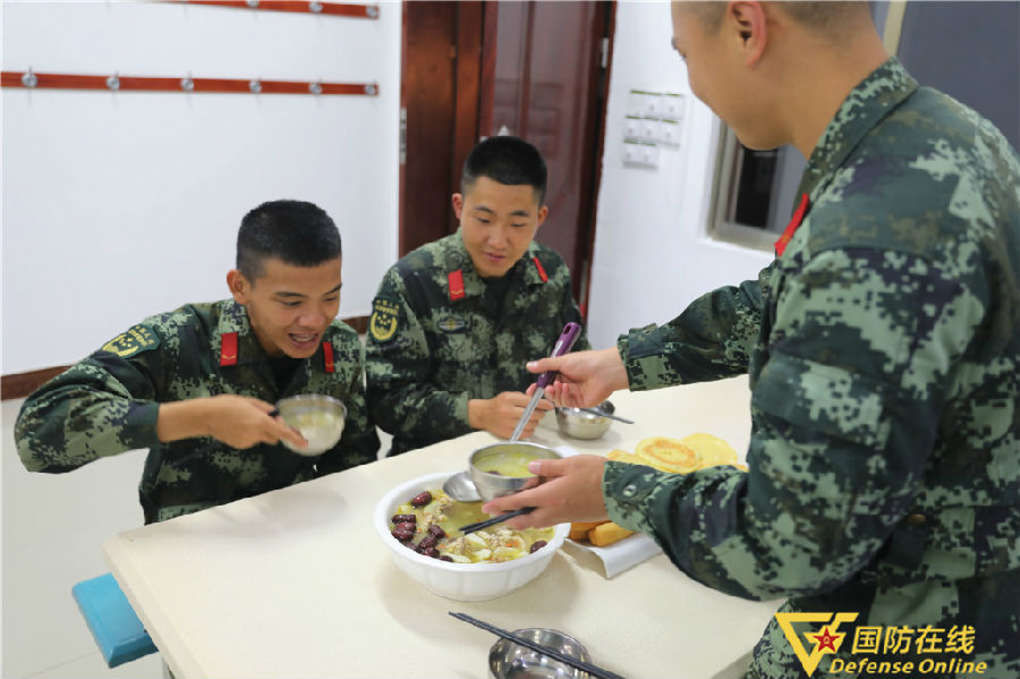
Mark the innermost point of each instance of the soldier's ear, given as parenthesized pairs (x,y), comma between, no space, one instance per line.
(543,212)
(457,200)
(239,286)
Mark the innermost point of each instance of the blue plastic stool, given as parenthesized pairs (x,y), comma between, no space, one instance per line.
(114,625)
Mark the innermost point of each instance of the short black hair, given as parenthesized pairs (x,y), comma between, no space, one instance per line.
(294,231)
(507,160)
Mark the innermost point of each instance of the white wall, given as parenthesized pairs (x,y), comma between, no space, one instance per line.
(652,255)
(120,205)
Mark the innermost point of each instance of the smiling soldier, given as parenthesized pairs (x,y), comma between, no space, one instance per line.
(196,385)
(454,321)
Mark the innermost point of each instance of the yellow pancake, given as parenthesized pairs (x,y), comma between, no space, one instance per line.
(667,455)
(618,455)
(712,450)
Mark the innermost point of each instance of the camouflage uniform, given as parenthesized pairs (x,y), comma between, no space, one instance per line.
(883,349)
(108,403)
(438,337)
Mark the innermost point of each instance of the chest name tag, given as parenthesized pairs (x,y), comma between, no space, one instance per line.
(383,324)
(451,324)
(127,344)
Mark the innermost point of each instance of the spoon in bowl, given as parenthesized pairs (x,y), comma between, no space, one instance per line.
(460,487)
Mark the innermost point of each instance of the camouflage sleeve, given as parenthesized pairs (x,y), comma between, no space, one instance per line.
(360,442)
(844,417)
(710,340)
(103,405)
(401,397)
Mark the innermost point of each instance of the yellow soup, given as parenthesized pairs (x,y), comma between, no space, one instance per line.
(510,463)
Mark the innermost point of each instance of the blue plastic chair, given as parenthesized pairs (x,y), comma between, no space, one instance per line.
(115,627)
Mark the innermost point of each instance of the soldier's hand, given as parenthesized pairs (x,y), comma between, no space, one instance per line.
(499,415)
(584,378)
(570,490)
(239,421)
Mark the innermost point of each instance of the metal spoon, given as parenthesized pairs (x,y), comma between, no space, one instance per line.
(603,413)
(461,487)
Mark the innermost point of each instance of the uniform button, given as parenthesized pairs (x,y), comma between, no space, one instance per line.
(916,519)
(629,490)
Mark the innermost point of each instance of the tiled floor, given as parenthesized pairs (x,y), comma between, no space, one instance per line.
(54,526)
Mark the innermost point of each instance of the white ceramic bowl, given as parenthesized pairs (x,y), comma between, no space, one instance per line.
(459,581)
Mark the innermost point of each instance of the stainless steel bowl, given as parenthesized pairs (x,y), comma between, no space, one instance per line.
(580,424)
(496,485)
(319,418)
(507,660)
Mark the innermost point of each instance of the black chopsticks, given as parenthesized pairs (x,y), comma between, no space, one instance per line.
(472,527)
(593,670)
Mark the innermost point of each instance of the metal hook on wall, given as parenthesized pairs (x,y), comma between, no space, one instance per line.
(29,79)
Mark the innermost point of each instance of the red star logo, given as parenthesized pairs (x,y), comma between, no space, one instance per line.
(826,640)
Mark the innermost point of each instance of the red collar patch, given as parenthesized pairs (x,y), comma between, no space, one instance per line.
(327,356)
(798,217)
(455,280)
(228,348)
(541,270)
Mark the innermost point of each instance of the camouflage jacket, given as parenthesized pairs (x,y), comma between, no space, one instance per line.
(108,403)
(437,337)
(883,349)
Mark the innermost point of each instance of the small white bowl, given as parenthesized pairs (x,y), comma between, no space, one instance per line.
(459,581)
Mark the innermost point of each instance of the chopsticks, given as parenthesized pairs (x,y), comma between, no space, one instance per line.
(591,669)
(472,527)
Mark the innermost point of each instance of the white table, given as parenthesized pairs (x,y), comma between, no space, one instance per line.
(296,583)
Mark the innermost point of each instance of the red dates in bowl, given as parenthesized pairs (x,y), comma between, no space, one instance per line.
(456,571)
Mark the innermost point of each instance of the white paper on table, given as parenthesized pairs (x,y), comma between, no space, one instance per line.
(619,556)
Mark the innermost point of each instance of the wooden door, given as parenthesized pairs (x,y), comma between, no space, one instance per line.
(545,81)
(439,113)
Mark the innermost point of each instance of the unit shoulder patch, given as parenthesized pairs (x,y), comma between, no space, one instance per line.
(383,323)
(137,339)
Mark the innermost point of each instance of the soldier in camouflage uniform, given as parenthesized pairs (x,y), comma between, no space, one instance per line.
(196,385)
(454,322)
(883,348)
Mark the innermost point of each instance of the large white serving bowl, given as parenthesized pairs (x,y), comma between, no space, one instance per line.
(459,581)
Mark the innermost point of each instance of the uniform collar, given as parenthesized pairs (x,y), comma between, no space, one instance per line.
(474,285)
(234,319)
(873,98)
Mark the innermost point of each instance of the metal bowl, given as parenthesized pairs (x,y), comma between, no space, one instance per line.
(507,660)
(490,485)
(580,424)
(319,418)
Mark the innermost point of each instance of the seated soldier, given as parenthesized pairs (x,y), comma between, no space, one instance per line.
(455,321)
(197,385)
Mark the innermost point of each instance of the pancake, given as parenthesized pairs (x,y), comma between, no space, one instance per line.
(711,450)
(666,454)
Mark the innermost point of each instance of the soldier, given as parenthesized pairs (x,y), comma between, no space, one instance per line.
(882,345)
(454,321)
(197,385)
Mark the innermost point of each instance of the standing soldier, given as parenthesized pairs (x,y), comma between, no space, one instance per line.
(196,385)
(454,321)
(883,348)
